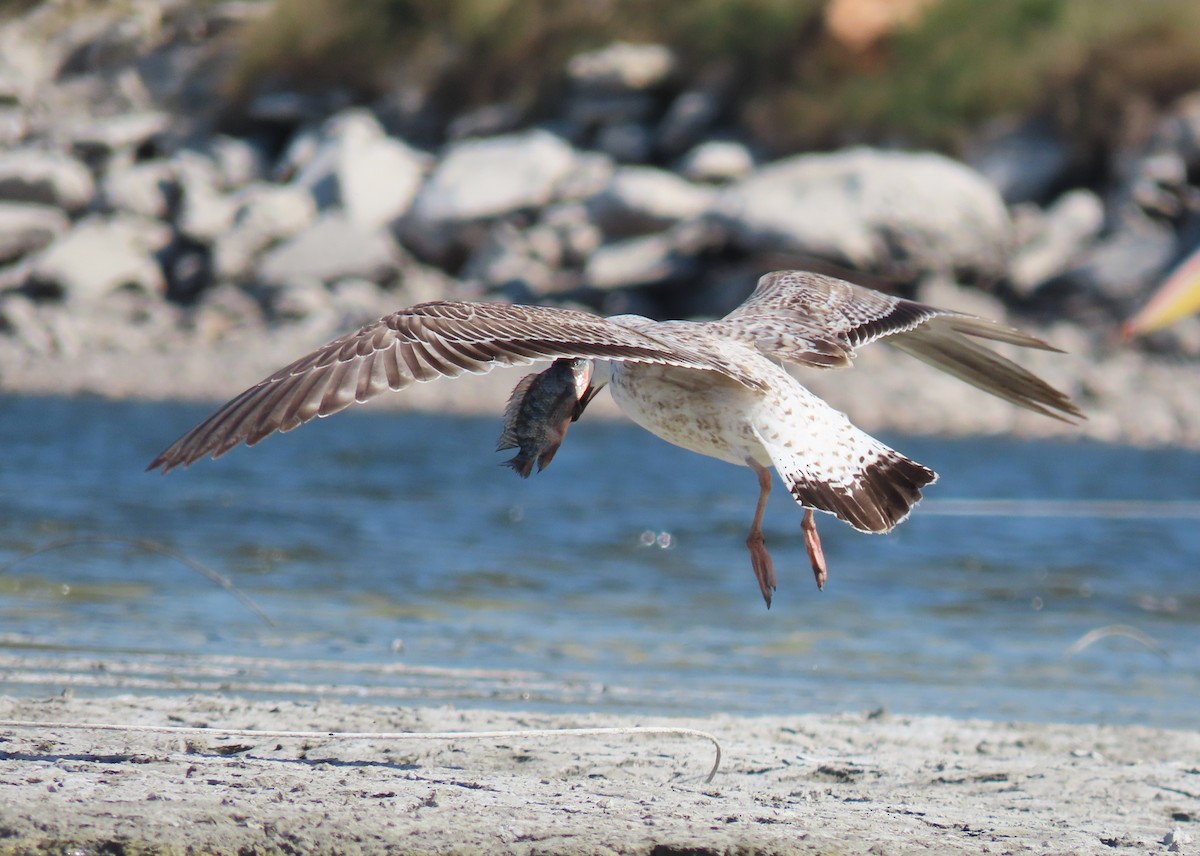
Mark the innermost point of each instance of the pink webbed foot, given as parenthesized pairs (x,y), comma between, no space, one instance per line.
(816,556)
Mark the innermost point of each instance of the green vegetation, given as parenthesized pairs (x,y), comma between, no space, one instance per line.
(8,8)
(1081,63)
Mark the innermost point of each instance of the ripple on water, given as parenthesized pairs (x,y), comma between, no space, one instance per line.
(398,561)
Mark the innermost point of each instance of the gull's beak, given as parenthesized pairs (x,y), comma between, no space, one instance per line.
(588,382)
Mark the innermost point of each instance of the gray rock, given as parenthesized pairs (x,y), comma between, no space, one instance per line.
(576,232)
(373,177)
(273,212)
(1027,162)
(622,67)
(892,212)
(942,291)
(143,188)
(298,298)
(288,108)
(25,228)
(635,261)
(221,309)
(627,142)
(332,248)
(508,256)
(641,199)
(26,63)
(14,125)
(479,180)
(239,161)
(301,149)
(101,255)
(102,138)
(49,178)
(1179,133)
(102,38)
(590,174)
(1121,268)
(1159,184)
(263,215)
(1054,238)
(717,162)
(691,114)
(588,111)
(20,319)
(203,213)
(360,301)
(487,121)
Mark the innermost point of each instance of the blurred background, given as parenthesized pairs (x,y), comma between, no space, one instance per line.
(195,193)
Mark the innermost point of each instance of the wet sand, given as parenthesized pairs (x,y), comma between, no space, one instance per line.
(847,784)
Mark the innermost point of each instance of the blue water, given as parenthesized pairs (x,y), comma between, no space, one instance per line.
(399,563)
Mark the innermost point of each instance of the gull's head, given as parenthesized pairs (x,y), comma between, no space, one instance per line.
(590,377)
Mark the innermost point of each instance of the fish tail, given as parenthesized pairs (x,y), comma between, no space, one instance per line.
(521,464)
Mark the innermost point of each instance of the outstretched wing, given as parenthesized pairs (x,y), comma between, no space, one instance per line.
(815,320)
(421,343)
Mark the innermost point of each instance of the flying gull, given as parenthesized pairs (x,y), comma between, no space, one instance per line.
(718,388)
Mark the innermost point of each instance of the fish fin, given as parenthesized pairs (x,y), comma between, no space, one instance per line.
(521,464)
(508,438)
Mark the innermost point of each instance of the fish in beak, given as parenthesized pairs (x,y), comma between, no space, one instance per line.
(541,408)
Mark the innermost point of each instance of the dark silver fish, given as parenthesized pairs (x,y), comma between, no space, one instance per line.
(539,411)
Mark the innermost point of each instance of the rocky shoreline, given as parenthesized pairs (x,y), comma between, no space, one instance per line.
(147,253)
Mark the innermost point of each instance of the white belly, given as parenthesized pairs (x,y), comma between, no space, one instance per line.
(704,412)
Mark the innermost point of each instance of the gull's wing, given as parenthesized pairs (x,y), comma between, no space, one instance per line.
(421,343)
(814,320)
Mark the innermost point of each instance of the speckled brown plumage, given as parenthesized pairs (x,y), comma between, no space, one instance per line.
(714,387)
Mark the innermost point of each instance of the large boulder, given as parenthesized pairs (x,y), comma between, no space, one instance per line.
(645,260)
(1053,238)
(49,178)
(1118,271)
(717,162)
(622,67)
(203,212)
(371,176)
(101,255)
(98,140)
(333,248)
(686,120)
(26,228)
(895,213)
(144,188)
(481,180)
(263,215)
(641,199)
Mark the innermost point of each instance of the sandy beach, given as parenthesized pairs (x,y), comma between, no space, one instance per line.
(855,783)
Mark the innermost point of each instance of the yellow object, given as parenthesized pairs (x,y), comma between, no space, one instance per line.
(1178,297)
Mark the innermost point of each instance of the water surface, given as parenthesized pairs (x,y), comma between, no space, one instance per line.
(400,563)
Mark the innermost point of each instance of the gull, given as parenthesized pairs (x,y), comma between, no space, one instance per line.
(719,388)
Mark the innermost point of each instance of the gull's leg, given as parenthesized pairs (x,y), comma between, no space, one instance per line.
(816,556)
(764,568)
